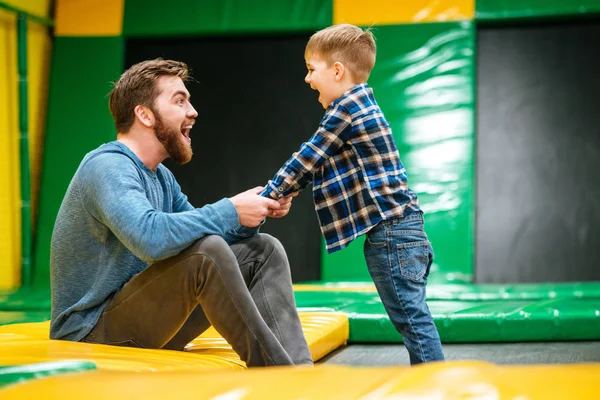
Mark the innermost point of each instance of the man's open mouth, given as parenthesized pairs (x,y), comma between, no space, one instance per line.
(186,132)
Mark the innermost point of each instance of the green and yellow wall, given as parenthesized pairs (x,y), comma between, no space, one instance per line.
(38,55)
(424,79)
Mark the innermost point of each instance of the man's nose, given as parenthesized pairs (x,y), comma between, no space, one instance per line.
(192,113)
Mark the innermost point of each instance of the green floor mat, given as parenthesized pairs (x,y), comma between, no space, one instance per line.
(467,321)
(25,299)
(476,292)
(35,299)
(22,373)
(462,312)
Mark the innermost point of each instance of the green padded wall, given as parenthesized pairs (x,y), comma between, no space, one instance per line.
(424,82)
(509,9)
(81,73)
(156,18)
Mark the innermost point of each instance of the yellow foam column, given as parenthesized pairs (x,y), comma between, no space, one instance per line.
(38,50)
(9,194)
(89,17)
(391,12)
(39,46)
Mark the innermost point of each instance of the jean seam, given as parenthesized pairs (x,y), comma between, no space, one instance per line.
(91,339)
(268,308)
(410,324)
(416,232)
(262,286)
(121,342)
(238,308)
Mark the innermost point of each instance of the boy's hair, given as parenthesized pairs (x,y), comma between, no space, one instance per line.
(348,44)
(137,86)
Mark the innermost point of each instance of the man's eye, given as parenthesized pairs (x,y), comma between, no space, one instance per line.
(179,101)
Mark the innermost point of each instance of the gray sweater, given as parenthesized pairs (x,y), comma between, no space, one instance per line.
(118,217)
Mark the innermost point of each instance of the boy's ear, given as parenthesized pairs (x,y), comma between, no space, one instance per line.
(144,115)
(340,70)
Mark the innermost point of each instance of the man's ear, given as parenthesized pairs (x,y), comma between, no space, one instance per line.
(340,70)
(144,115)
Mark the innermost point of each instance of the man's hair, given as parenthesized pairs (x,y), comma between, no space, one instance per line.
(137,86)
(348,44)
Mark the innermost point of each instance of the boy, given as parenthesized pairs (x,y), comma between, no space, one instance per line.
(360,185)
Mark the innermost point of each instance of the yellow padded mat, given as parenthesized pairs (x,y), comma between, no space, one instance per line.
(335,287)
(28,343)
(451,380)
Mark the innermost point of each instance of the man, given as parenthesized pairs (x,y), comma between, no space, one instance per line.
(133,263)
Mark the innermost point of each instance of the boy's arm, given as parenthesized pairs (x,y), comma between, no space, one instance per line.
(297,172)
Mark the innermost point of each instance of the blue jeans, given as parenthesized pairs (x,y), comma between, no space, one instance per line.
(399,257)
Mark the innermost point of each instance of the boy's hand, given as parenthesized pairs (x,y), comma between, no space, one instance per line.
(285,205)
(252,208)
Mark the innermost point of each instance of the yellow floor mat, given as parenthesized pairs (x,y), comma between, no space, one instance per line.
(28,343)
(451,380)
(336,287)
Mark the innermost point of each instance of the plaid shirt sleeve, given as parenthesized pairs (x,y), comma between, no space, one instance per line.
(297,172)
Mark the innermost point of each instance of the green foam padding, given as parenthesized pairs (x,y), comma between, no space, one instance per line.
(424,82)
(25,299)
(478,292)
(160,18)
(81,72)
(21,373)
(467,321)
(20,317)
(511,9)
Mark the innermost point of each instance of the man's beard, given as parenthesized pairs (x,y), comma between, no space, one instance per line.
(178,151)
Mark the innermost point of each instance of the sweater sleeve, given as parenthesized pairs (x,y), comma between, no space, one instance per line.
(181,203)
(112,192)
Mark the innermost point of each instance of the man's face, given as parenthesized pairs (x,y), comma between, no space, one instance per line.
(175,117)
(321,77)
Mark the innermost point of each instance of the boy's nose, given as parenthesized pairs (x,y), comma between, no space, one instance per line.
(307,78)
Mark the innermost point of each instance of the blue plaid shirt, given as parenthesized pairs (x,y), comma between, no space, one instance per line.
(358,178)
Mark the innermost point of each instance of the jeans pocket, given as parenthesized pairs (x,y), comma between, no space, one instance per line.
(377,236)
(414,259)
(376,244)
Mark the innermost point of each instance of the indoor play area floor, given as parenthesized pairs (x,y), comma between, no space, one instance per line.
(500,341)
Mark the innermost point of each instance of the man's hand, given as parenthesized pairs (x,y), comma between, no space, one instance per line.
(252,208)
(285,205)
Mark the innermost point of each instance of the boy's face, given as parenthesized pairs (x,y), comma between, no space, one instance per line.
(321,77)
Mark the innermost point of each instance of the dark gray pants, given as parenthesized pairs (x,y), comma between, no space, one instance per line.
(243,290)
